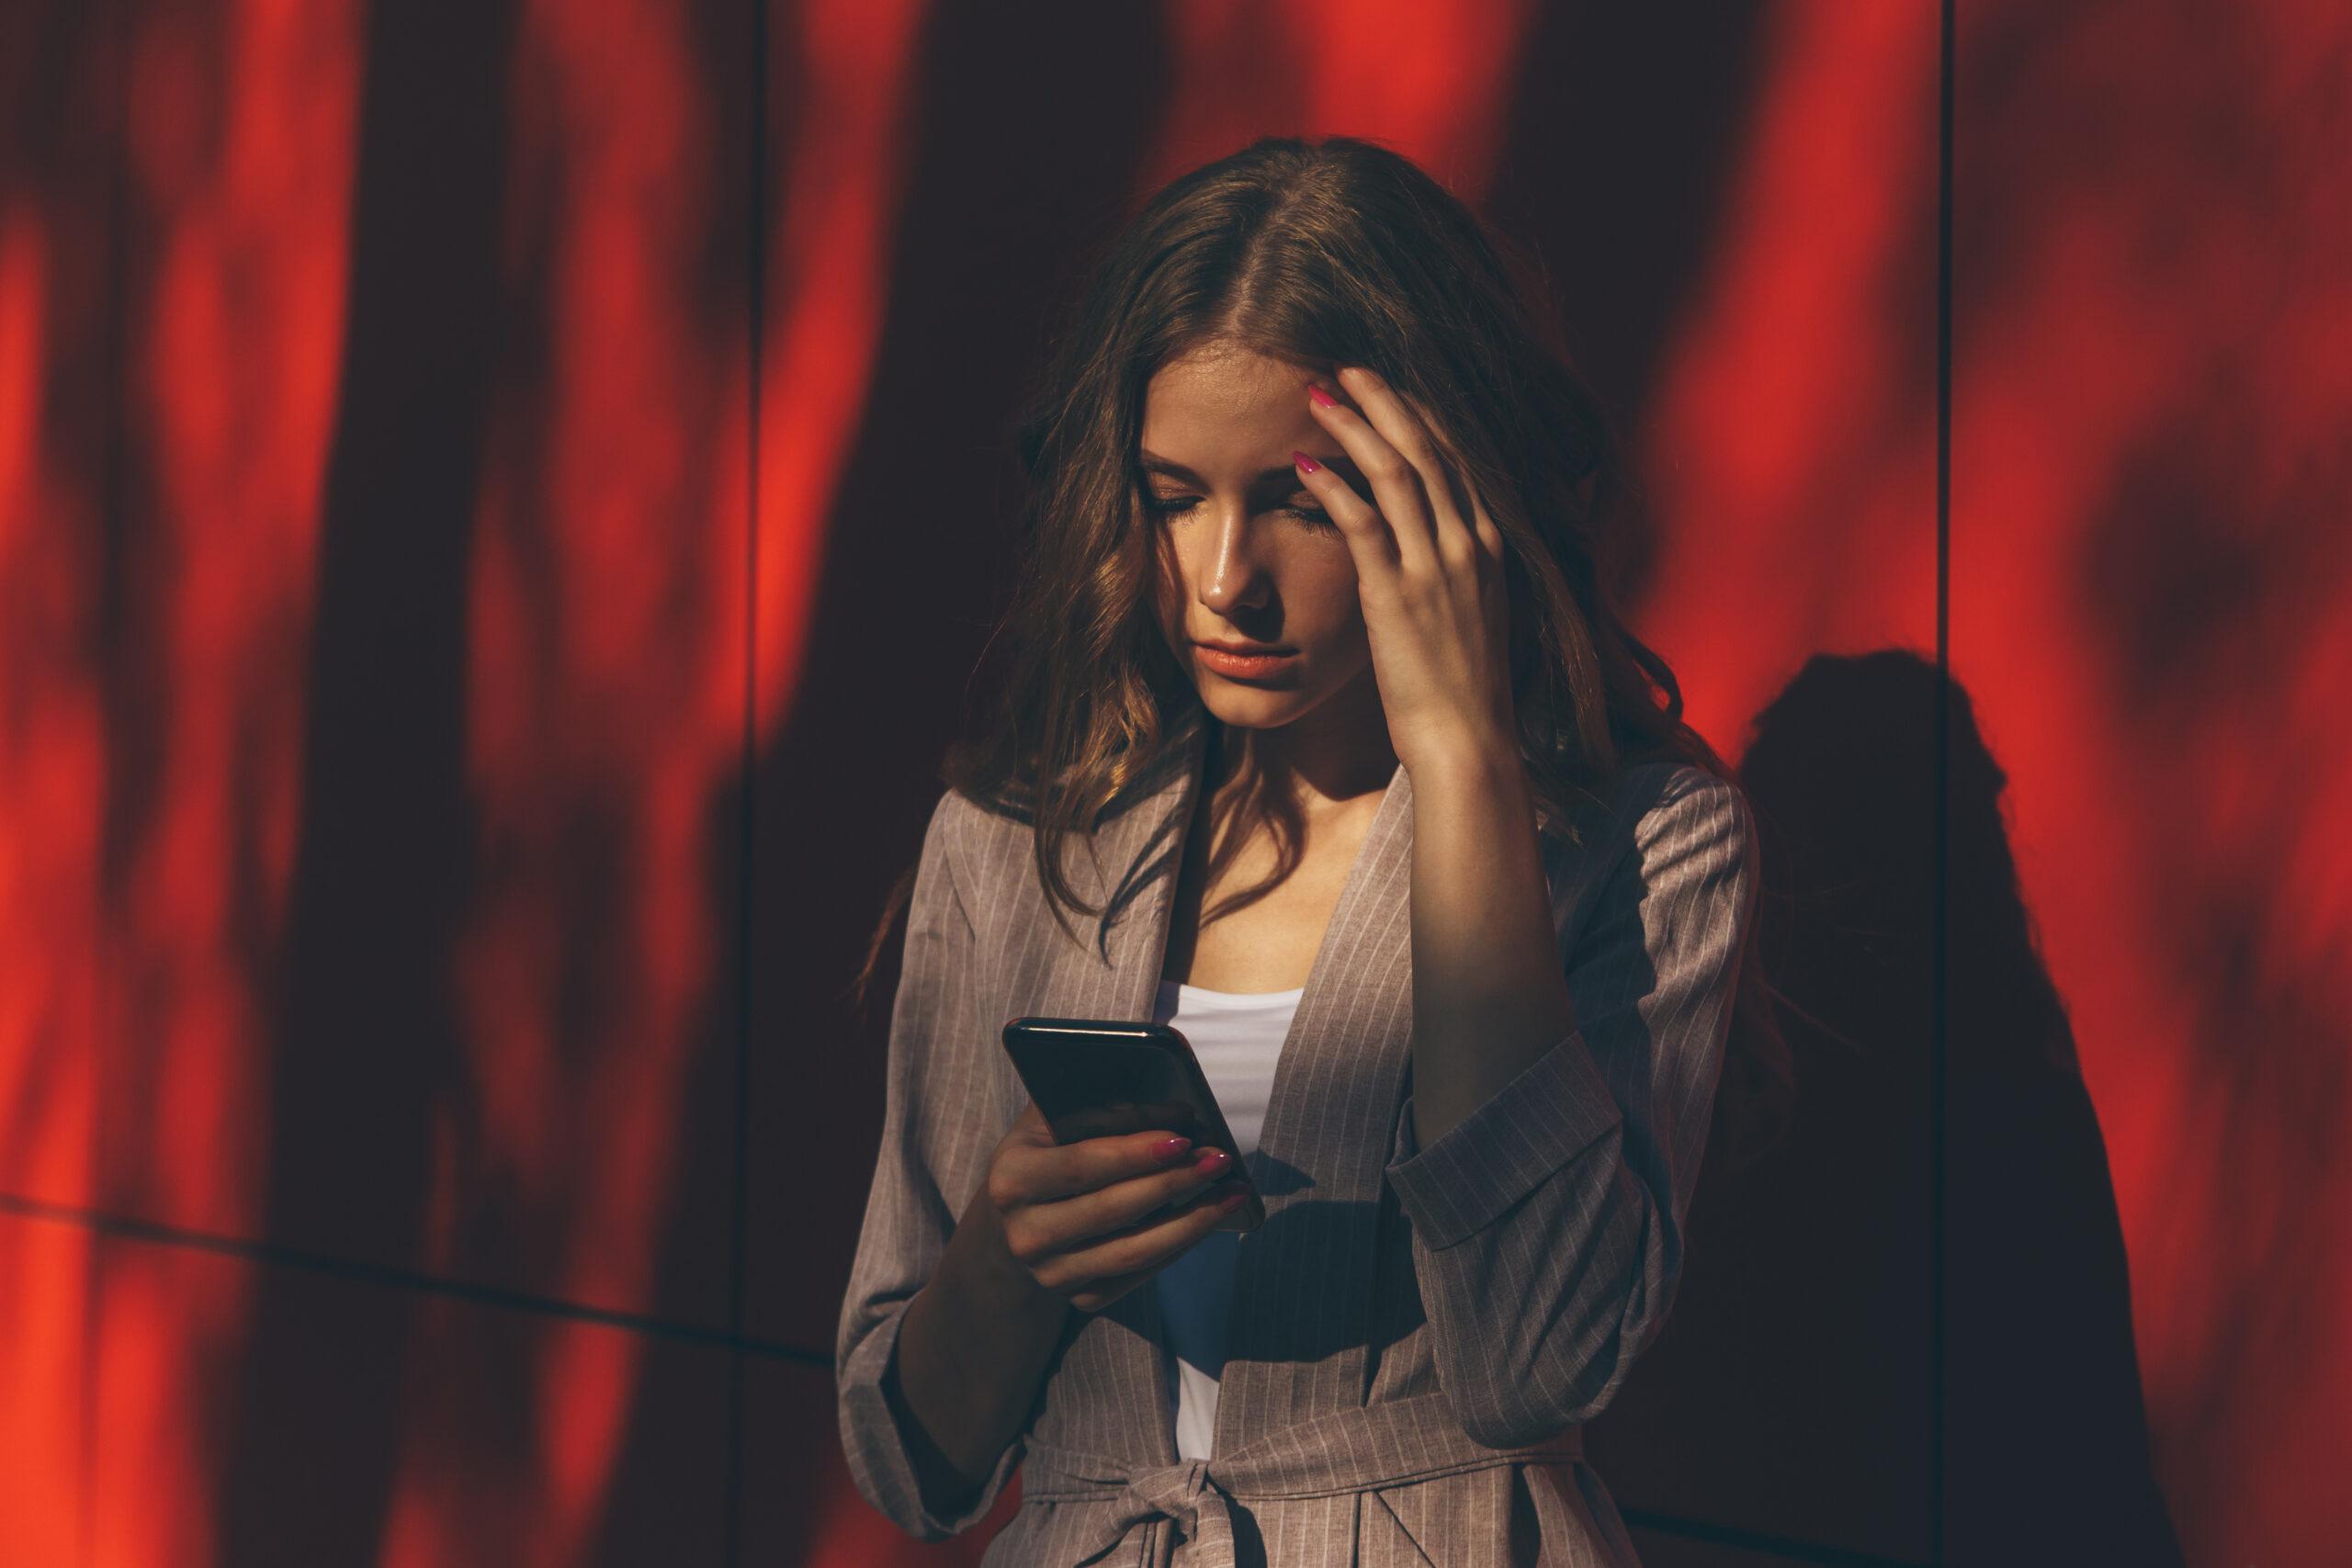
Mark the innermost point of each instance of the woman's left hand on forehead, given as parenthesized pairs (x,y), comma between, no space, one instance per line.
(1428,571)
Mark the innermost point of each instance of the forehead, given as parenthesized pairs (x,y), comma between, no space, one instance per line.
(1212,387)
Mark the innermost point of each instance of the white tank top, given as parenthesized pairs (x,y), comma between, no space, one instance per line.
(1237,1036)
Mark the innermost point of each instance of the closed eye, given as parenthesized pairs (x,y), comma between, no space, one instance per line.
(1166,506)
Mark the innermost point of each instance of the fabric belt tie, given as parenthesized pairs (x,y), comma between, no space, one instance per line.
(1390,1444)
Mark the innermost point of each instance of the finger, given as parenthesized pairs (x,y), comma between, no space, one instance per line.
(1103,1292)
(1467,503)
(1175,1239)
(1053,1224)
(1370,540)
(1469,510)
(1242,1217)
(1395,483)
(1142,1249)
(1408,428)
(1491,534)
(1049,1171)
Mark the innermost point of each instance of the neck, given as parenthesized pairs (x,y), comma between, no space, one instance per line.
(1326,761)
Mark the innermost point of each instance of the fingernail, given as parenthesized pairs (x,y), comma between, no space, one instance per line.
(1320,397)
(1304,461)
(1172,1149)
(1227,1205)
(1210,1162)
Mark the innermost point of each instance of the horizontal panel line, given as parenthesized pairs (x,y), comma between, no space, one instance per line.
(405,1279)
(331,1266)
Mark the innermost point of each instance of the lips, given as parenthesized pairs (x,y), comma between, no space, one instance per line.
(1247,649)
(1221,658)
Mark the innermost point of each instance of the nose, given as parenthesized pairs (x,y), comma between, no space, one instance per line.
(1233,576)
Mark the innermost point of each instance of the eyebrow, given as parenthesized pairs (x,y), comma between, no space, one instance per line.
(1154,463)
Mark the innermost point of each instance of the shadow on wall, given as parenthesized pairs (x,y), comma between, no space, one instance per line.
(1792,1389)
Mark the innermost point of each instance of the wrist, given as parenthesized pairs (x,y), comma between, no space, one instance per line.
(1480,766)
(985,1272)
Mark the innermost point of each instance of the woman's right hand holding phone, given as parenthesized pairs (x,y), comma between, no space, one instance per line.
(1072,1218)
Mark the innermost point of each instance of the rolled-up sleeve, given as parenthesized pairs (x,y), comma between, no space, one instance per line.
(933,1158)
(1547,1224)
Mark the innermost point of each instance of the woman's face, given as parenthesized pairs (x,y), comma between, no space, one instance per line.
(1248,555)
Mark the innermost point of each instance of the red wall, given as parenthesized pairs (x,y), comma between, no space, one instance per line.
(440,446)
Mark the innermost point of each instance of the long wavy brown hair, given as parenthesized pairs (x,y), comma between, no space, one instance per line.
(1318,253)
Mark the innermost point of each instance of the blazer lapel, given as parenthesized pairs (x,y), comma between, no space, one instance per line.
(1298,1340)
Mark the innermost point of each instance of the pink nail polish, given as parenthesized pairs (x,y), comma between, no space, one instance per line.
(1172,1149)
(1305,462)
(1320,397)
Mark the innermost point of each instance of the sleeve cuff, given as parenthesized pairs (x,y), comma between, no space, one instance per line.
(883,1440)
(1555,1108)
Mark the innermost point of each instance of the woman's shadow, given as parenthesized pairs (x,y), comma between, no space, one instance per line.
(1793,1392)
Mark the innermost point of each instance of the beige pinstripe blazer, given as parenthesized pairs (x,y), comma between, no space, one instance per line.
(1417,1333)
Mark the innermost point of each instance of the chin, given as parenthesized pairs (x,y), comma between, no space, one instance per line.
(1242,709)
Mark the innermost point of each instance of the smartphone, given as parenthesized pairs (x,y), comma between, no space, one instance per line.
(1095,1078)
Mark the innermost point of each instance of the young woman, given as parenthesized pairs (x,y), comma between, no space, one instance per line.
(1319,705)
